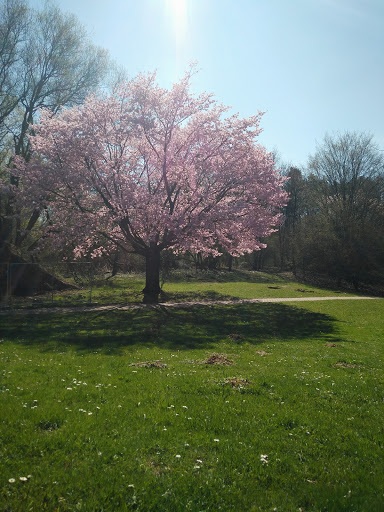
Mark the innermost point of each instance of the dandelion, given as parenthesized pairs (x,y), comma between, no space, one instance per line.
(11,480)
(23,478)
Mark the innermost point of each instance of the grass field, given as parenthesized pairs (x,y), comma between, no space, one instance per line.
(184,286)
(124,410)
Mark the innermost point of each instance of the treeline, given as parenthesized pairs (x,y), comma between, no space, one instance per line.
(334,221)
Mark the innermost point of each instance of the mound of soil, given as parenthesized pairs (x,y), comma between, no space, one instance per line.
(220,359)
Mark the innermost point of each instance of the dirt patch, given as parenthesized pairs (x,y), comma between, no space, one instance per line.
(332,345)
(217,359)
(262,353)
(150,364)
(235,337)
(342,364)
(235,382)
(157,468)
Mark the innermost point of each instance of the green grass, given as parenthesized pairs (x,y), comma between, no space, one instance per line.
(182,287)
(311,400)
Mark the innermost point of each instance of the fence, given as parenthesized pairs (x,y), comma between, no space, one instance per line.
(31,285)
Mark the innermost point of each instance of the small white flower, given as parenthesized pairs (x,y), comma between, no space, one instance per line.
(90,413)
(11,480)
(23,478)
(216,440)
(199,461)
(69,389)
(185,407)
(164,428)
(264,459)
(131,485)
(178,456)
(196,467)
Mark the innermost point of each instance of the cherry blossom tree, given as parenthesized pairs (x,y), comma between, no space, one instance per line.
(157,169)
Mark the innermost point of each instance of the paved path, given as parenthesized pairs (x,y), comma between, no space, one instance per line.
(124,307)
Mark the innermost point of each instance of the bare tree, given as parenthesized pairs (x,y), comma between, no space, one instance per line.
(47,61)
(349,172)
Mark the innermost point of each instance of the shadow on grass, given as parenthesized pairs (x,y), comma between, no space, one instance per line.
(224,276)
(201,295)
(196,327)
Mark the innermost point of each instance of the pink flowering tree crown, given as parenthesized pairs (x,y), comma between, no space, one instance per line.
(155,168)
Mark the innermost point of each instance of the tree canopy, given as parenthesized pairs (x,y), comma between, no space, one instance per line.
(156,169)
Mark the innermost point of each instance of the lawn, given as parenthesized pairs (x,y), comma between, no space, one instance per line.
(186,286)
(125,411)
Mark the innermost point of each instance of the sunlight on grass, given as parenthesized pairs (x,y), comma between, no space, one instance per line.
(186,287)
(295,421)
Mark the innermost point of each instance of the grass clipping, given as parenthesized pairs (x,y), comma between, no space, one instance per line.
(150,364)
(217,359)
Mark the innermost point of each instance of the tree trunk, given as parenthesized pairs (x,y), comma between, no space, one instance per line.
(230,261)
(152,275)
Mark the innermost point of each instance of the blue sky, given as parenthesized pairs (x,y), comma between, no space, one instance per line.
(314,66)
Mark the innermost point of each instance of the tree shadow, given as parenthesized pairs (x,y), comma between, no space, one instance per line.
(179,328)
(224,276)
(201,295)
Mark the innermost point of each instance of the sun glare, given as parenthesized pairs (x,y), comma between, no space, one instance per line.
(177,10)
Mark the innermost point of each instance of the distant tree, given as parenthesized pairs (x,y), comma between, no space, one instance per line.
(46,62)
(157,169)
(349,190)
(290,230)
